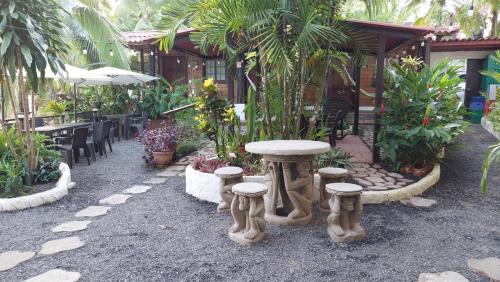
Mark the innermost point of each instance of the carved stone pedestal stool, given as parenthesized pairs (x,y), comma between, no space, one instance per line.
(230,176)
(329,175)
(346,208)
(248,211)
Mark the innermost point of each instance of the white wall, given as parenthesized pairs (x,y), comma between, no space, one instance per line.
(436,57)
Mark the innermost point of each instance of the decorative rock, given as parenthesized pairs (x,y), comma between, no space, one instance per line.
(418,202)
(360,169)
(155,180)
(61,245)
(71,226)
(230,176)
(56,275)
(360,175)
(168,173)
(11,259)
(137,189)
(377,166)
(346,208)
(93,211)
(390,179)
(395,175)
(489,267)
(447,276)
(115,199)
(248,211)
(375,179)
(363,182)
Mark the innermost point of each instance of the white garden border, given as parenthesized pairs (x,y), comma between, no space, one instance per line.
(205,187)
(46,197)
(488,126)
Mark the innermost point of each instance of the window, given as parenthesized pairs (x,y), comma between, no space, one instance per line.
(216,69)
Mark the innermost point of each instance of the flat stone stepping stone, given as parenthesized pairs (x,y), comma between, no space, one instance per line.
(115,199)
(395,175)
(156,180)
(61,245)
(10,259)
(375,179)
(56,275)
(363,182)
(167,173)
(176,167)
(93,211)
(71,226)
(489,267)
(418,202)
(447,276)
(137,189)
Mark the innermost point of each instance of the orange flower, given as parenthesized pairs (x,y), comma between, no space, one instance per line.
(425,121)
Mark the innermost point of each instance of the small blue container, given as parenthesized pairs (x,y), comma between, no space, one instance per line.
(476,106)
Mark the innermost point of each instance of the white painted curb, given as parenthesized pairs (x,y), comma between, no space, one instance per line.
(380,197)
(488,126)
(42,198)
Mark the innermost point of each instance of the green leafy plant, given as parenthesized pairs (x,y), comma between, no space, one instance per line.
(164,97)
(420,113)
(334,158)
(55,108)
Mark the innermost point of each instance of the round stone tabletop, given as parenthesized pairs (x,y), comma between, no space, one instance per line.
(334,171)
(287,147)
(343,188)
(228,172)
(250,188)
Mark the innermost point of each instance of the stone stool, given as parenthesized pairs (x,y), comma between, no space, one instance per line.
(346,208)
(248,211)
(229,175)
(329,175)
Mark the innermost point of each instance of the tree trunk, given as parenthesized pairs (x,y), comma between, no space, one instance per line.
(494,23)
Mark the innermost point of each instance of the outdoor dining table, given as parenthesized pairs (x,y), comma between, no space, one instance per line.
(51,129)
(289,178)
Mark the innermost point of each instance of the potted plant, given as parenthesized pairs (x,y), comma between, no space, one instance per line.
(160,143)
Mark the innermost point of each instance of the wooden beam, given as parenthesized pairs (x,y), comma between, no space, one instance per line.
(152,63)
(357,88)
(400,34)
(427,52)
(379,89)
(142,60)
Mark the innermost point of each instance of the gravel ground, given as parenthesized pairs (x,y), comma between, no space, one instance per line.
(166,235)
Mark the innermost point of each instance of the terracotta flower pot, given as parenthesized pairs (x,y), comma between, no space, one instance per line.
(162,158)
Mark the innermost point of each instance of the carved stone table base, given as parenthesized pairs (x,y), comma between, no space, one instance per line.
(230,176)
(247,210)
(346,209)
(290,182)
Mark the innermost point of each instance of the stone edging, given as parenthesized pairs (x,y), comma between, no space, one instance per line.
(205,186)
(46,197)
(380,197)
(488,126)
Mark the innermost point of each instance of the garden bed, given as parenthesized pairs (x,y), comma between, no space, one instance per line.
(49,196)
(488,126)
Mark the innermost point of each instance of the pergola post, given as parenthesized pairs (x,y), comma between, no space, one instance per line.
(427,52)
(379,89)
(142,60)
(152,62)
(357,87)
(240,72)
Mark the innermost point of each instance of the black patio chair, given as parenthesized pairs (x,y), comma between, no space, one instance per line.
(136,125)
(106,132)
(78,141)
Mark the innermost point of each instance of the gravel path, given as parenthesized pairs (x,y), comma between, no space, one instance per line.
(166,235)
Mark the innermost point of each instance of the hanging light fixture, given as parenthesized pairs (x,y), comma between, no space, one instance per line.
(84,51)
(422,44)
(152,53)
(203,63)
(111,52)
(413,47)
(470,12)
(178,61)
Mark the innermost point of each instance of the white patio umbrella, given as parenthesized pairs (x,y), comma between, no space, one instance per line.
(78,77)
(123,77)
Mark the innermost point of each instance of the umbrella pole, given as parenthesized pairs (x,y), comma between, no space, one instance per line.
(74,100)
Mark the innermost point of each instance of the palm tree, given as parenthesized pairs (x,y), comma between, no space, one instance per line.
(284,35)
(90,29)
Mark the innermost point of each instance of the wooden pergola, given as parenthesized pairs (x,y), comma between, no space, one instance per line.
(374,38)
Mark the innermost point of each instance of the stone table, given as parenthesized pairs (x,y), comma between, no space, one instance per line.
(289,178)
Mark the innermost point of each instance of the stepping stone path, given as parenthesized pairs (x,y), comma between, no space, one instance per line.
(56,275)
(93,211)
(176,168)
(155,180)
(10,259)
(115,199)
(447,276)
(71,226)
(374,178)
(489,267)
(167,173)
(418,202)
(61,245)
(137,189)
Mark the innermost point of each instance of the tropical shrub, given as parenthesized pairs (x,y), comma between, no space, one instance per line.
(334,158)
(164,97)
(421,113)
(494,117)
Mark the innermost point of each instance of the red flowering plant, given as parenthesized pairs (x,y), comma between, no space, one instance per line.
(160,139)
(422,113)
